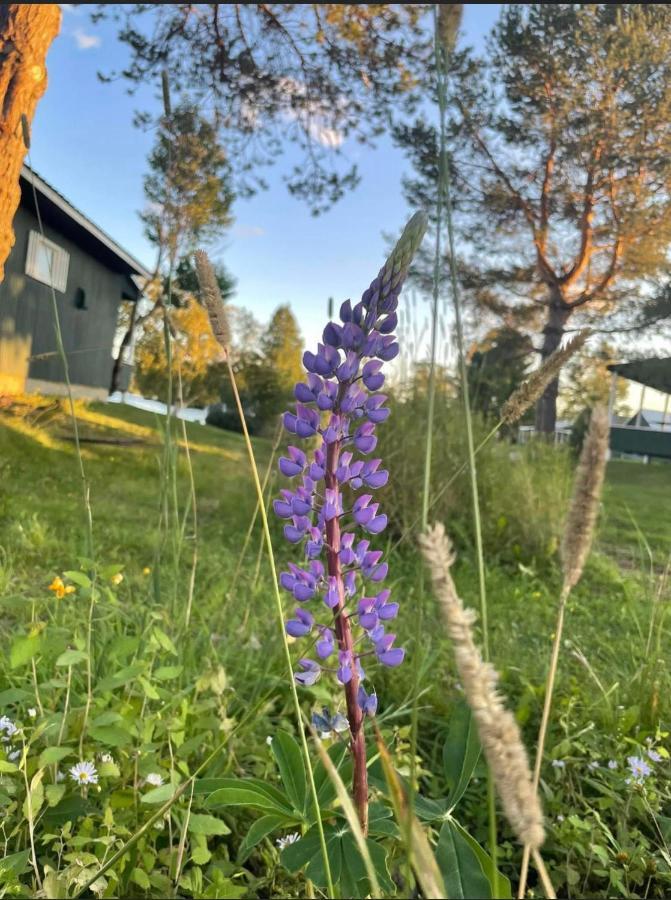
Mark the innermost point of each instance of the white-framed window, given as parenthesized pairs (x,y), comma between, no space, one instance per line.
(47,262)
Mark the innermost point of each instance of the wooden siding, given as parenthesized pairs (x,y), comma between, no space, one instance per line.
(27,337)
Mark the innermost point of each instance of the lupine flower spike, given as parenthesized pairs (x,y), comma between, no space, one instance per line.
(330,512)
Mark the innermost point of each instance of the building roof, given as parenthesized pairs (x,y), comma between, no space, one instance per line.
(650,418)
(654,373)
(61,214)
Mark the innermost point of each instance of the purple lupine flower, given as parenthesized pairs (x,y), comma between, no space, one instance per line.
(367,702)
(338,404)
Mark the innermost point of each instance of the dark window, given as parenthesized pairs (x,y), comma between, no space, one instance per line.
(80,298)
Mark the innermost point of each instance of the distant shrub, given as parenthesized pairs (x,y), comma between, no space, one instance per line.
(523,489)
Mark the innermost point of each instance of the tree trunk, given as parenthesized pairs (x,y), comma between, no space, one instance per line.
(26,33)
(546,408)
(125,342)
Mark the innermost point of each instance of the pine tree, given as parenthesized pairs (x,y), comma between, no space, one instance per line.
(26,33)
(560,146)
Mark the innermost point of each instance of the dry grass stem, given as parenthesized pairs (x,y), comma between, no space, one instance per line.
(498,730)
(530,390)
(211,297)
(584,508)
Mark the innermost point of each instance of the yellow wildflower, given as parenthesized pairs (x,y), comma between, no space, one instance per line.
(117,579)
(60,589)
(146,571)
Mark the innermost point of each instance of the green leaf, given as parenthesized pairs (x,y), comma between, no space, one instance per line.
(23,650)
(461,868)
(52,755)
(6,766)
(110,735)
(250,792)
(166,673)
(307,852)
(503,887)
(259,830)
(201,856)
(54,793)
(14,695)
(141,879)
(122,677)
(165,641)
(460,753)
(109,717)
(159,794)
(292,768)
(108,770)
(68,810)
(17,863)
(71,658)
(35,796)
(354,881)
(201,823)
(79,578)
(326,791)
(148,688)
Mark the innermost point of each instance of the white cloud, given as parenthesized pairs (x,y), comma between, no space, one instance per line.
(313,116)
(86,41)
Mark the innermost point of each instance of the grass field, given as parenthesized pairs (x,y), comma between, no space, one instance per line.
(185,692)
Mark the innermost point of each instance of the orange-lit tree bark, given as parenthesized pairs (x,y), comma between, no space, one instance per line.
(26,33)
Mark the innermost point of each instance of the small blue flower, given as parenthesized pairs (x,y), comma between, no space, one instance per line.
(654,755)
(638,768)
(593,766)
(558,764)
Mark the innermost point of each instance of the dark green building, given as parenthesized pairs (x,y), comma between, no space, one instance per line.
(90,274)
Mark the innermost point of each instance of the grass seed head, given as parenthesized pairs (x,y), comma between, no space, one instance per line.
(499,732)
(449,20)
(584,508)
(531,389)
(212,299)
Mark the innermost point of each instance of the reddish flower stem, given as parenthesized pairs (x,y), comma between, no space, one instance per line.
(343,632)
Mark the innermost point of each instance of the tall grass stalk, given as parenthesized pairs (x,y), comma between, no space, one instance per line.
(442,61)
(280,613)
(85,487)
(350,813)
(37,777)
(193,504)
(252,523)
(576,546)
(428,451)
(214,304)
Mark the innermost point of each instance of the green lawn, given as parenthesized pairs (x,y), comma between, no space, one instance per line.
(228,660)
(636,522)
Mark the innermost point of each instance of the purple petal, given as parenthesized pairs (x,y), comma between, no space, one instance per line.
(393,657)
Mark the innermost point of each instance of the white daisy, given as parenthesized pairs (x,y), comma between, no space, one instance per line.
(106,757)
(32,712)
(60,776)
(288,839)
(154,779)
(84,773)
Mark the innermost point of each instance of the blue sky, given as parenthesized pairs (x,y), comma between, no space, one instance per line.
(85,145)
